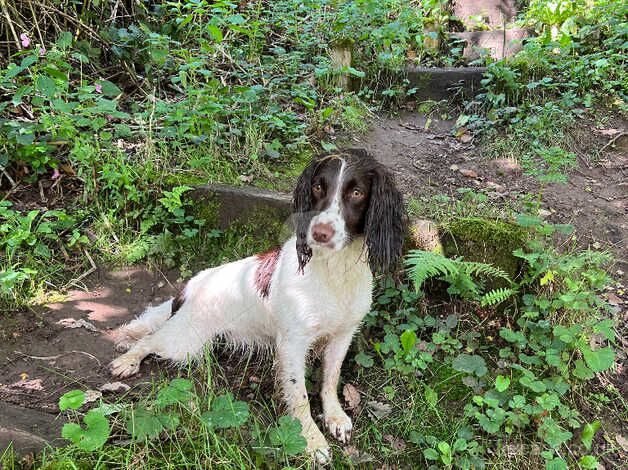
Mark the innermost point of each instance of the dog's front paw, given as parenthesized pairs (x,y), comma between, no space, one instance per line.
(125,366)
(317,445)
(339,425)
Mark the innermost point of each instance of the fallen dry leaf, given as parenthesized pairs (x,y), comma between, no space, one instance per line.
(396,443)
(112,387)
(465,138)
(622,441)
(613,299)
(609,132)
(468,173)
(352,396)
(378,410)
(80,323)
(357,457)
(32,385)
(92,395)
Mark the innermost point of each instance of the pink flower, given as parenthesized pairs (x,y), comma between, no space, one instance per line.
(98,88)
(42,51)
(25,40)
(55,174)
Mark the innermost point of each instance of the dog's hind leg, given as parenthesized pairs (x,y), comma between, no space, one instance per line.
(179,339)
(150,321)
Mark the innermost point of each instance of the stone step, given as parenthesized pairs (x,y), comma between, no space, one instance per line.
(445,82)
(499,44)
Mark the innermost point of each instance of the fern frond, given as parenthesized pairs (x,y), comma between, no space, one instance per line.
(496,296)
(425,264)
(486,270)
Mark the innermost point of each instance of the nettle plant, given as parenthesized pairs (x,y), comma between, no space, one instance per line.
(176,404)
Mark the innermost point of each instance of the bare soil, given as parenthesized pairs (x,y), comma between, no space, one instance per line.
(429,161)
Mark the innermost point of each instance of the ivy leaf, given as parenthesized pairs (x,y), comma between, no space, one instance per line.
(502,383)
(287,435)
(600,359)
(471,364)
(73,399)
(94,435)
(588,432)
(226,413)
(177,391)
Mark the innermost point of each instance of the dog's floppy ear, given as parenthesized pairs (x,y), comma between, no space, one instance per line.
(385,222)
(302,212)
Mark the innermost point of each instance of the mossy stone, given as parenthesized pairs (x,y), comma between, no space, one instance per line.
(484,240)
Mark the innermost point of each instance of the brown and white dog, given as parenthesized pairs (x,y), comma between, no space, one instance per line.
(350,223)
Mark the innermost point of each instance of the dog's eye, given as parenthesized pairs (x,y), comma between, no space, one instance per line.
(317,188)
(357,193)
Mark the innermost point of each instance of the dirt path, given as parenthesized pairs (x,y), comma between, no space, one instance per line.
(431,161)
(42,356)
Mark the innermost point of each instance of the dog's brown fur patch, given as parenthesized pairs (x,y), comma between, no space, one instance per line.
(266,267)
(177,302)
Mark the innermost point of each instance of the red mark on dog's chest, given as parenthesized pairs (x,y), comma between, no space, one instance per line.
(265,269)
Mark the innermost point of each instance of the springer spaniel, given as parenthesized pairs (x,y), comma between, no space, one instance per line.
(350,222)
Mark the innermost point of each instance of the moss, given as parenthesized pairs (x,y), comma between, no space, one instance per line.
(484,240)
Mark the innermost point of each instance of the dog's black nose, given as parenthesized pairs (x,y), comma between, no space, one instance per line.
(322,233)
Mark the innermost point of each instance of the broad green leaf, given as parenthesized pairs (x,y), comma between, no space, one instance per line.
(581,371)
(226,412)
(287,435)
(65,40)
(408,340)
(471,364)
(600,359)
(364,359)
(177,391)
(552,433)
(555,464)
(93,436)
(143,423)
(588,431)
(73,399)
(46,86)
(431,454)
(430,396)
(214,32)
(588,461)
(109,88)
(502,383)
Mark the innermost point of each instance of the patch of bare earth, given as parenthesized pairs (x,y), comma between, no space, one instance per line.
(429,160)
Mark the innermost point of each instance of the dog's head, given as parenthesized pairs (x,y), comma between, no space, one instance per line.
(343,195)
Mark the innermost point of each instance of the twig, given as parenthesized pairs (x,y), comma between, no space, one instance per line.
(4,172)
(612,141)
(10,23)
(52,358)
(86,273)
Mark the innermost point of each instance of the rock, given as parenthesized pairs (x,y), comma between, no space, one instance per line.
(468,173)
(486,241)
(27,430)
(499,44)
(424,235)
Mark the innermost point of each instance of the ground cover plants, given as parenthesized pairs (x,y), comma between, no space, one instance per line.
(112,112)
